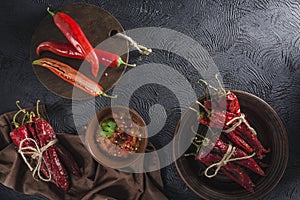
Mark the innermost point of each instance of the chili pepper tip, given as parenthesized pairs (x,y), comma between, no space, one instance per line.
(50,12)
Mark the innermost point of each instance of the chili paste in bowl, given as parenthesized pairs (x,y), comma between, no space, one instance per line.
(117,136)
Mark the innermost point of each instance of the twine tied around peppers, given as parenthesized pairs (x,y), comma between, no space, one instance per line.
(142,49)
(241,119)
(35,152)
(226,159)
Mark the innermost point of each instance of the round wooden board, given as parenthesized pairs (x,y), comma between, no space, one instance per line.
(97,24)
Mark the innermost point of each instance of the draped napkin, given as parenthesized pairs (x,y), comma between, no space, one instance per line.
(97,182)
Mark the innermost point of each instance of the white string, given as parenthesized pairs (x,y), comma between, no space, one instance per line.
(35,152)
(226,159)
(241,119)
(142,49)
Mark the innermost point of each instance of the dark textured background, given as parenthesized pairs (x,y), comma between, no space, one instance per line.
(255,44)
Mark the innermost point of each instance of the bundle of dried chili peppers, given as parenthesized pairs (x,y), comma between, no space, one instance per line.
(37,142)
(237,148)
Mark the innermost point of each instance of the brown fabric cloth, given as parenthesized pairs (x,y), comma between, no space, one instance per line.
(97,182)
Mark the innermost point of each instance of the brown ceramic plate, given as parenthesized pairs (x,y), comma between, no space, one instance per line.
(98,25)
(272,134)
(102,156)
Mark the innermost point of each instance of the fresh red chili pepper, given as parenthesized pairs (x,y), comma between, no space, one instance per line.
(67,160)
(67,50)
(72,76)
(72,31)
(45,135)
(234,172)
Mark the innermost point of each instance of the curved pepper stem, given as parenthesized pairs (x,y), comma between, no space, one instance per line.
(15,116)
(121,62)
(50,12)
(109,96)
(37,109)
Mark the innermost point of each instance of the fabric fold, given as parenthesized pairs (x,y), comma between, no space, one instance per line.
(97,182)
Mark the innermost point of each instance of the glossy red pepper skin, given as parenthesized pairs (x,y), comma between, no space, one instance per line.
(72,31)
(70,75)
(67,50)
(231,170)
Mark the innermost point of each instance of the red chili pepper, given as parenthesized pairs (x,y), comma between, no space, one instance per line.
(77,38)
(72,76)
(251,138)
(22,132)
(232,111)
(234,172)
(230,102)
(45,135)
(216,121)
(249,163)
(67,50)
(215,141)
(239,142)
(67,160)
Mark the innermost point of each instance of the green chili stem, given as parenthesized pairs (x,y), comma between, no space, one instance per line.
(37,109)
(15,116)
(50,12)
(18,105)
(190,154)
(121,62)
(206,110)
(26,115)
(220,85)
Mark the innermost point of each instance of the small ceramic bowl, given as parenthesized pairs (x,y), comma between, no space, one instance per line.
(102,156)
(272,134)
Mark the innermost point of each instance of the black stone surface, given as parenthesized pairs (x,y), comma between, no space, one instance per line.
(255,44)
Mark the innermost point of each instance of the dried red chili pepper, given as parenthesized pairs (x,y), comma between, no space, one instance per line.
(72,76)
(67,50)
(45,135)
(247,134)
(20,133)
(234,172)
(219,142)
(67,160)
(72,31)
(230,102)
(249,163)
(232,111)
(219,120)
